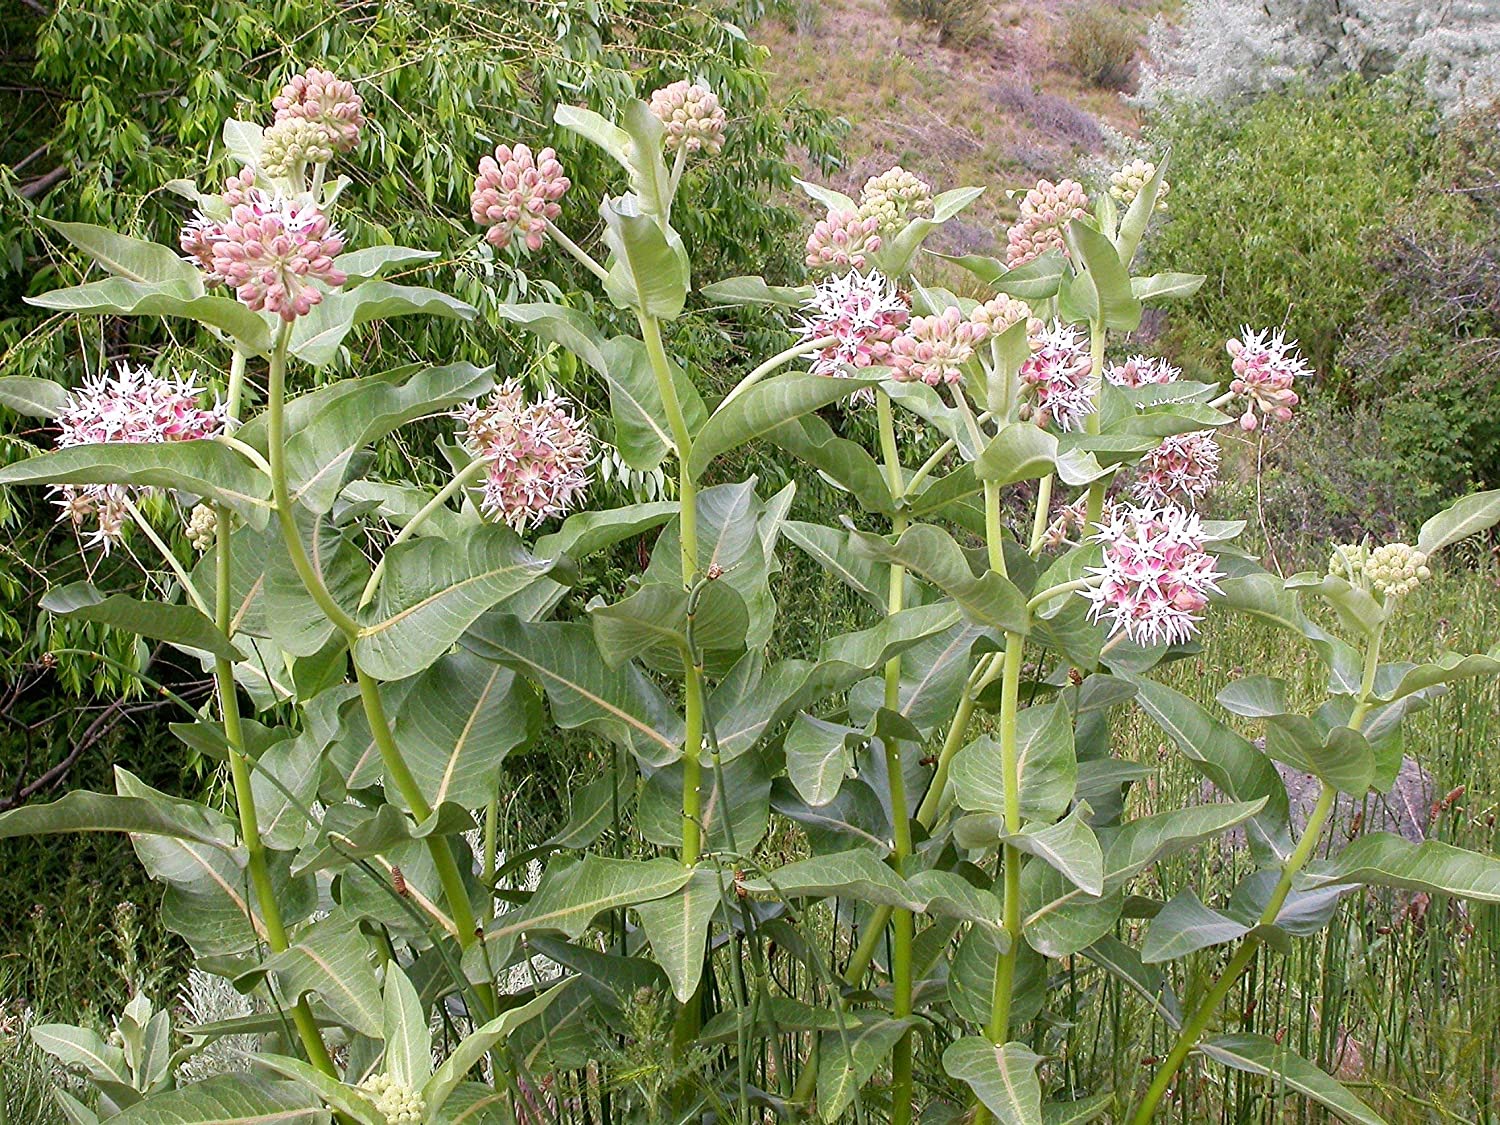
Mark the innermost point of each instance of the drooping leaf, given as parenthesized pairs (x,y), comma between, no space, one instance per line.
(229,1099)
(988,599)
(1256,1054)
(818,757)
(156,815)
(1184,925)
(131,258)
(33,397)
(317,337)
(844,463)
(753,290)
(331,959)
(761,409)
(1385,860)
(569,900)
(1459,520)
(842,1072)
(1070,846)
(676,925)
(1002,1077)
(119,296)
(180,625)
(855,873)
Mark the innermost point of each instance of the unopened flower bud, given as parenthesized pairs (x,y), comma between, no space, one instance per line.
(1045,212)
(1396,569)
(330,103)
(202,527)
(933,349)
(516,193)
(1128,182)
(291,145)
(893,198)
(999,313)
(399,1103)
(843,240)
(691,116)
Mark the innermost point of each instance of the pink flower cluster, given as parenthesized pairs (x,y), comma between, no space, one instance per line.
(843,240)
(1142,371)
(933,349)
(1058,377)
(325,100)
(134,406)
(863,313)
(516,193)
(692,116)
(1265,364)
(271,250)
(537,455)
(1045,210)
(1156,577)
(1181,470)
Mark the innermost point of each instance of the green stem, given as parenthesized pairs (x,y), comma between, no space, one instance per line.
(579,254)
(460,481)
(1005,966)
(1062,588)
(1193,1030)
(168,557)
(396,769)
(1094,509)
(491,853)
(777,360)
(1043,510)
(904,924)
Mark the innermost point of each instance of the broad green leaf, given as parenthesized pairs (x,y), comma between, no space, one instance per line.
(741,806)
(1045,764)
(1254,697)
(569,900)
(1019,451)
(33,397)
(131,258)
(1137,217)
(1118,307)
(895,255)
(1264,596)
(1147,981)
(292,618)
(118,296)
(474,1047)
(856,873)
(332,960)
(567,327)
(1003,1078)
(765,406)
(1184,925)
(988,599)
(455,726)
(831,549)
(433,590)
(317,337)
(949,894)
(649,177)
(753,290)
(652,624)
(677,928)
(180,625)
(1449,668)
(818,757)
(205,469)
(642,434)
(1070,846)
(1460,520)
(85,1048)
(351,1102)
(1256,1054)
(1060,919)
(370,262)
(285,781)
(229,1099)
(596,129)
(1080,1112)
(594,808)
(1225,758)
(648,270)
(849,1059)
(1166,287)
(933,673)
(620,704)
(408,1040)
(1381,859)
(585,533)
(1340,756)
(1143,841)
(156,815)
(833,200)
(841,462)
(971,976)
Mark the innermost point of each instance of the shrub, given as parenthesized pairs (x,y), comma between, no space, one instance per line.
(959,22)
(1101,43)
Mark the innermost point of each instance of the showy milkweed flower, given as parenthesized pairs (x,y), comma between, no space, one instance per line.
(693,118)
(1141,371)
(1265,364)
(537,455)
(134,406)
(1045,210)
(933,349)
(1181,470)
(271,251)
(1156,577)
(516,193)
(893,197)
(863,313)
(321,97)
(1058,378)
(202,232)
(843,239)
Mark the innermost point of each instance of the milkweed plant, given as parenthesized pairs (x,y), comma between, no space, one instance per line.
(960,823)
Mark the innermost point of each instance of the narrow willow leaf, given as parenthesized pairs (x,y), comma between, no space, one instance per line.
(180,625)
(229,1099)
(990,599)
(1256,1054)
(33,397)
(435,589)
(677,928)
(1003,1078)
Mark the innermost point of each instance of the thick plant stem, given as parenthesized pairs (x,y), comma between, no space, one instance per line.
(396,769)
(903,922)
(1193,1030)
(998,1030)
(1043,510)
(1094,507)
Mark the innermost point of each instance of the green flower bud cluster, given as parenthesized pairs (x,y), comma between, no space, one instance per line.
(398,1102)
(202,528)
(1128,182)
(1348,562)
(291,145)
(894,197)
(1396,569)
